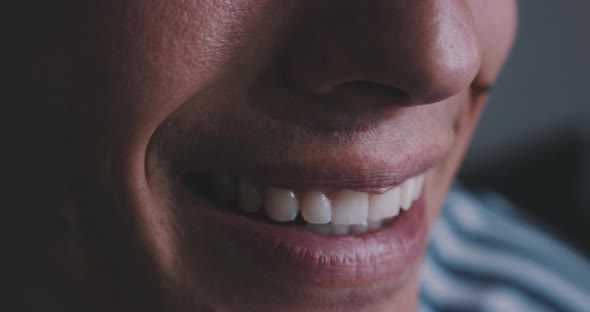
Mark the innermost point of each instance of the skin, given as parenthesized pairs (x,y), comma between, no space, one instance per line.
(112,97)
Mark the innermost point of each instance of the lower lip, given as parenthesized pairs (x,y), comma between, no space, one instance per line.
(291,253)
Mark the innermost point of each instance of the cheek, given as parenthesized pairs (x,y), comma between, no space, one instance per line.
(467,114)
(496,23)
(142,60)
(496,28)
(155,56)
(151,63)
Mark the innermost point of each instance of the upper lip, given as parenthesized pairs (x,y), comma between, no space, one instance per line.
(292,158)
(358,175)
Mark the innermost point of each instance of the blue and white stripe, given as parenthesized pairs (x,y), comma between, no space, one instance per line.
(485,256)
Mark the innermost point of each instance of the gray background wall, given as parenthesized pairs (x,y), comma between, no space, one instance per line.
(533,143)
(545,87)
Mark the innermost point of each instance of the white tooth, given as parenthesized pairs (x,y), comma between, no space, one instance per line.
(407,194)
(280,204)
(359,228)
(374,225)
(225,189)
(384,205)
(321,229)
(418,184)
(350,207)
(249,198)
(340,229)
(316,208)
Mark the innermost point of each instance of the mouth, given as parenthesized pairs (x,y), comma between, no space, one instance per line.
(329,237)
(326,212)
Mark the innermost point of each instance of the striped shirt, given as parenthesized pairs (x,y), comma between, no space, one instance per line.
(484,255)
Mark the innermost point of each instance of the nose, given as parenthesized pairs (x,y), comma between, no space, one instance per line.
(384,52)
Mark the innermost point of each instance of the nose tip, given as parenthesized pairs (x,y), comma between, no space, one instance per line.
(386,52)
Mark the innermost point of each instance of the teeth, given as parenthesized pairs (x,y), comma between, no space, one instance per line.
(280,204)
(349,212)
(316,208)
(321,229)
(418,185)
(359,228)
(350,207)
(407,194)
(375,225)
(249,198)
(384,205)
(340,229)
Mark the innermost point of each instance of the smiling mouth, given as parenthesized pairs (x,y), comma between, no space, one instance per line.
(330,223)
(323,212)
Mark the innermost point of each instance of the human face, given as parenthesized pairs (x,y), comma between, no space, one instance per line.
(136,100)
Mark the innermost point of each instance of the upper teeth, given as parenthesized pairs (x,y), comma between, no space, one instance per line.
(347,212)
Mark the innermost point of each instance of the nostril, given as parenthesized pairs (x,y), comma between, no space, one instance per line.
(378,92)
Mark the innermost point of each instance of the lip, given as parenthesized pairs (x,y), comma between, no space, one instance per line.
(383,258)
(286,252)
(368,174)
